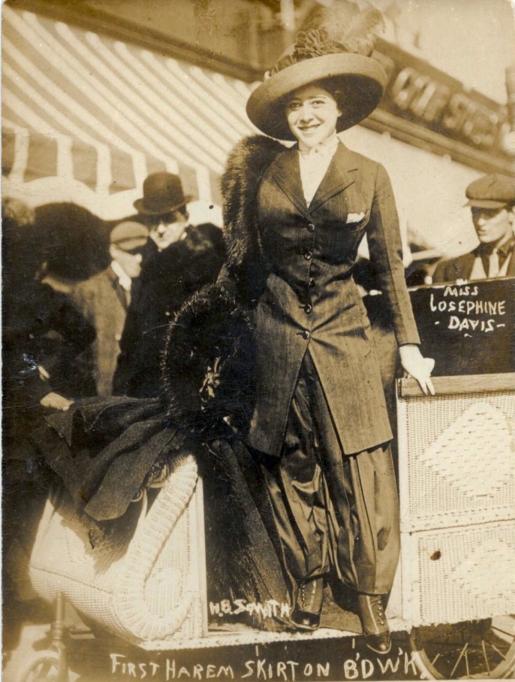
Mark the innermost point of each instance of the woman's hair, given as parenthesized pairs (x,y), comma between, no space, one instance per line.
(332,88)
(336,91)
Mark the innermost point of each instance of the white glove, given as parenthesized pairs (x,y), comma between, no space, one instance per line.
(417,366)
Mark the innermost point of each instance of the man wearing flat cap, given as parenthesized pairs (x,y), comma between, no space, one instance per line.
(492,200)
(104,299)
(179,258)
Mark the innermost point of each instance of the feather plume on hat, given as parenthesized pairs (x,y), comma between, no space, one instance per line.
(346,26)
(329,30)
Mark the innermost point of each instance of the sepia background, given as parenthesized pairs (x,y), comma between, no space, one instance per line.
(97,94)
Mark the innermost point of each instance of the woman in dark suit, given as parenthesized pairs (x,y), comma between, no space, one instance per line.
(294,218)
(273,367)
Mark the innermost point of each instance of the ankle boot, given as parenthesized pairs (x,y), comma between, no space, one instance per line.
(373,620)
(308,604)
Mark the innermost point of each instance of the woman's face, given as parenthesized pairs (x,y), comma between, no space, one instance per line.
(312,113)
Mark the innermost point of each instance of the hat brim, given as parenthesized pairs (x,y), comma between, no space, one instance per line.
(486,203)
(362,80)
(130,244)
(140,207)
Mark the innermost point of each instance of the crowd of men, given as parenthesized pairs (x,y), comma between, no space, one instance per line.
(154,261)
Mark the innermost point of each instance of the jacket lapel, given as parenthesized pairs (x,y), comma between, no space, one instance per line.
(286,174)
(340,175)
(122,295)
(511,265)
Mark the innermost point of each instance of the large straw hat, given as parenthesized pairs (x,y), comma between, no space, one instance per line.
(333,47)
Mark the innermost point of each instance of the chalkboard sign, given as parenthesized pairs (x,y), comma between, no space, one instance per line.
(466,328)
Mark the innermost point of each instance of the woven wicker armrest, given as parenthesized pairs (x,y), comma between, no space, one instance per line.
(454,385)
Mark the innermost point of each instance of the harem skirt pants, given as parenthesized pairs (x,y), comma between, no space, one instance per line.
(334,513)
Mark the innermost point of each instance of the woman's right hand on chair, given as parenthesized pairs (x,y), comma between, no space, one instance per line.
(417,366)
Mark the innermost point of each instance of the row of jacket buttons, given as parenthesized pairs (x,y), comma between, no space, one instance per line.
(308,308)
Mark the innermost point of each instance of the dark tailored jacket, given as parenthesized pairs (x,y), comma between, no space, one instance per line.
(308,300)
(104,304)
(167,279)
(461,268)
(311,302)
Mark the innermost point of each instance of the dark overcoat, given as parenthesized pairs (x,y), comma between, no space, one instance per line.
(461,268)
(103,303)
(292,265)
(168,278)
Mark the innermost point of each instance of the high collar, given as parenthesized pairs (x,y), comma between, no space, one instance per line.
(325,148)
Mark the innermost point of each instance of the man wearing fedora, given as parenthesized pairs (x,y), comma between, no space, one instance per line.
(163,209)
(492,202)
(178,259)
(104,299)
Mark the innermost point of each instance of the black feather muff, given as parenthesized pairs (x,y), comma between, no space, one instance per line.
(208,364)
(208,360)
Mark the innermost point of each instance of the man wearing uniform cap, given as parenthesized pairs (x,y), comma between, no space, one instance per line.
(492,200)
(104,299)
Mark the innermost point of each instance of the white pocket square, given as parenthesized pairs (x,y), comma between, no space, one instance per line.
(355,217)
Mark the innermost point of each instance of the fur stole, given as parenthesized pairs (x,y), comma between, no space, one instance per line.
(245,168)
(208,361)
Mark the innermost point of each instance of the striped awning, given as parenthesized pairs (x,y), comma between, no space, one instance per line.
(87,117)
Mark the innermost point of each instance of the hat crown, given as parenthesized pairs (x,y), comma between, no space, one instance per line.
(493,188)
(128,235)
(332,30)
(162,193)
